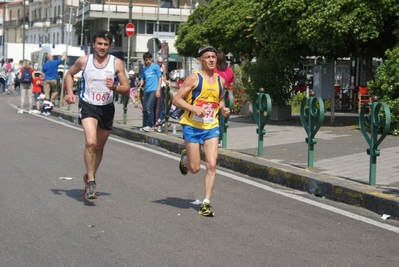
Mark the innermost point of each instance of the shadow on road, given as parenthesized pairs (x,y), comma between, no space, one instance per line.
(77,194)
(178,202)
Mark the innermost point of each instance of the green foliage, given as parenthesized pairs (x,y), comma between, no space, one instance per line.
(240,96)
(297,101)
(386,86)
(224,24)
(272,74)
(339,28)
(239,91)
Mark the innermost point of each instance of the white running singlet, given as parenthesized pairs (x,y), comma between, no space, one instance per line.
(94,89)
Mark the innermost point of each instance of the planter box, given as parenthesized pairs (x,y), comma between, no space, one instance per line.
(281,113)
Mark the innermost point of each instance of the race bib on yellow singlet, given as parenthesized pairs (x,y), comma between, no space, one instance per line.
(210,109)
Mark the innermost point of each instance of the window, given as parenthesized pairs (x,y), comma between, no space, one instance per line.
(163,27)
(141,26)
(176,28)
(149,28)
(170,3)
(118,40)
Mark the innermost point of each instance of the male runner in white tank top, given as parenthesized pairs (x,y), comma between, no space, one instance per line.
(96,108)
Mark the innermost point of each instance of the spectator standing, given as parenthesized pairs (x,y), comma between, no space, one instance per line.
(26,77)
(226,72)
(10,76)
(201,96)
(3,75)
(50,70)
(153,78)
(132,81)
(37,89)
(141,67)
(17,69)
(159,106)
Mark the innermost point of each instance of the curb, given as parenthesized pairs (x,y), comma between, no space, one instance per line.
(374,199)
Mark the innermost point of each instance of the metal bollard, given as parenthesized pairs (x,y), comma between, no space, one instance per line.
(261,104)
(166,96)
(141,91)
(309,113)
(125,101)
(228,102)
(374,120)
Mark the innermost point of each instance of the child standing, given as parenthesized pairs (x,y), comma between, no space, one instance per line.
(37,90)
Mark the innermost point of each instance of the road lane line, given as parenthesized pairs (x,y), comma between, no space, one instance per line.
(256,184)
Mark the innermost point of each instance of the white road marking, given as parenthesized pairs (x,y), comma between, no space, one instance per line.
(258,185)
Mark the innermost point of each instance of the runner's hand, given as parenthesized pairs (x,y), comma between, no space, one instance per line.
(199,111)
(70,99)
(225,112)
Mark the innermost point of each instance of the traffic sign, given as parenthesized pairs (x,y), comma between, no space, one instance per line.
(154,44)
(129,29)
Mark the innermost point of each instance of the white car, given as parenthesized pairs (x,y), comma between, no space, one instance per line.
(175,74)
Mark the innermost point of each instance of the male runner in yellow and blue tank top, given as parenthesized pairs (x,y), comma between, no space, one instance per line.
(201,96)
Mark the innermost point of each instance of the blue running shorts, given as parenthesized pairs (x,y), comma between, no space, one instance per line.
(194,135)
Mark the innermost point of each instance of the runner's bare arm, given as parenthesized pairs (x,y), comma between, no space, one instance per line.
(75,68)
(124,85)
(179,99)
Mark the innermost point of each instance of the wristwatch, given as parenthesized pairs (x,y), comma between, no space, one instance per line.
(114,87)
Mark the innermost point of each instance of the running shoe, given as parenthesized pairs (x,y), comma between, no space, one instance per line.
(90,188)
(20,111)
(205,210)
(182,167)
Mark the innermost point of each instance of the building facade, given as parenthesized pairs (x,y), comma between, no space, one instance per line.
(61,22)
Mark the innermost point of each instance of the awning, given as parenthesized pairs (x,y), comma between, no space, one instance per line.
(173,57)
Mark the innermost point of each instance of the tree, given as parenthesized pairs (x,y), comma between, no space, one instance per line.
(339,28)
(386,87)
(224,24)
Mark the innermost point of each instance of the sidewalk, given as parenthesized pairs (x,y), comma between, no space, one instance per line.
(341,164)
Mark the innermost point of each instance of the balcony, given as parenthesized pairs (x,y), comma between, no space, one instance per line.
(12,23)
(145,12)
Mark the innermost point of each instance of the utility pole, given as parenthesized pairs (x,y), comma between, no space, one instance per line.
(4,20)
(83,23)
(129,44)
(23,31)
(109,14)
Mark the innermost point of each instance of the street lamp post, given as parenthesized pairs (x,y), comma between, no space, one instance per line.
(109,14)
(4,20)
(84,2)
(23,32)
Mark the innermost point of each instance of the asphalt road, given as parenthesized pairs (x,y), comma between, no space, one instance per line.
(144,215)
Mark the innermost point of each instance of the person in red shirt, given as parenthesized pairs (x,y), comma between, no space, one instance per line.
(37,89)
(226,72)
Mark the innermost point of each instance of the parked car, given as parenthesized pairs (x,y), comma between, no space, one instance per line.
(173,75)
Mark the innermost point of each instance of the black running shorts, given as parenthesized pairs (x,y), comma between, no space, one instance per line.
(103,114)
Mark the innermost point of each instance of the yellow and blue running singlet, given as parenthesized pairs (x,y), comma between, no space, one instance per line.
(208,96)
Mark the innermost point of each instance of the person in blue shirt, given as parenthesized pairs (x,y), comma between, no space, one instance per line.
(152,78)
(50,70)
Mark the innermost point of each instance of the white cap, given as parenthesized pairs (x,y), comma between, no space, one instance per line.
(131,72)
(160,59)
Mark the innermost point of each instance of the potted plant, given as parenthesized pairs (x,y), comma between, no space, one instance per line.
(276,77)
